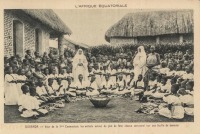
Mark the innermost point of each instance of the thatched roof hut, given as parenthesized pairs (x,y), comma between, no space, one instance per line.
(152,23)
(47,17)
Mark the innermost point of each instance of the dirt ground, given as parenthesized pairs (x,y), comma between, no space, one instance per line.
(117,110)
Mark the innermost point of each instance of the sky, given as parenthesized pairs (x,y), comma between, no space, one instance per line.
(88,26)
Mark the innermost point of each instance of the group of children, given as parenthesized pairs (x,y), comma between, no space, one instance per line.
(41,84)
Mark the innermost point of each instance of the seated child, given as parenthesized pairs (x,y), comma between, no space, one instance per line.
(121,86)
(28,105)
(81,86)
(107,86)
(92,89)
(71,87)
(173,107)
(139,87)
(42,94)
(187,102)
(188,75)
(164,69)
(152,85)
(162,89)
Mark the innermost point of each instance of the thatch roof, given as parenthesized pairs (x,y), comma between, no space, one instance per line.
(48,17)
(82,45)
(151,23)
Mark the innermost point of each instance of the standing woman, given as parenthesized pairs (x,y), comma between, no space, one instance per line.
(139,62)
(153,60)
(80,66)
(153,65)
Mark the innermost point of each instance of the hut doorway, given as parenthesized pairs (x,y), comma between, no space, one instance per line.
(18,46)
(38,40)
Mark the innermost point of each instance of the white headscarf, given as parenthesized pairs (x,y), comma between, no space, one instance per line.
(140,58)
(79,57)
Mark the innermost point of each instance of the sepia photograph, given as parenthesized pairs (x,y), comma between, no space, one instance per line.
(98,65)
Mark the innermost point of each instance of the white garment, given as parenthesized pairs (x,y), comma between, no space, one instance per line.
(19,85)
(98,77)
(188,100)
(11,91)
(189,76)
(28,102)
(107,84)
(177,111)
(95,89)
(164,70)
(80,69)
(152,83)
(139,62)
(41,90)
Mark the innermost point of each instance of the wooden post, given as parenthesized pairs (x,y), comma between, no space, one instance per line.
(60,44)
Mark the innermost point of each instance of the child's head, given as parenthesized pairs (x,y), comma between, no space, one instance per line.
(40,83)
(171,66)
(68,69)
(121,66)
(130,67)
(10,70)
(120,76)
(59,80)
(25,89)
(158,78)
(38,67)
(96,66)
(188,69)
(46,71)
(50,81)
(190,85)
(163,80)
(90,68)
(178,67)
(37,54)
(163,64)
(152,76)
(173,80)
(28,52)
(174,88)
(139,77)
(62,71)
(169,55)
(107,76)
(25,62)
(53,71)
(93,78)
(15,69)
(22,71)
(180,56)
(80,77)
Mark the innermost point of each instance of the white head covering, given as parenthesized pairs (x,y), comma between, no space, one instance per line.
(140,58)
(78,56)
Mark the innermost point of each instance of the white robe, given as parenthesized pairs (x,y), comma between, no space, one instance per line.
(139,62)
(94,91)
(80,69)
(11,91)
